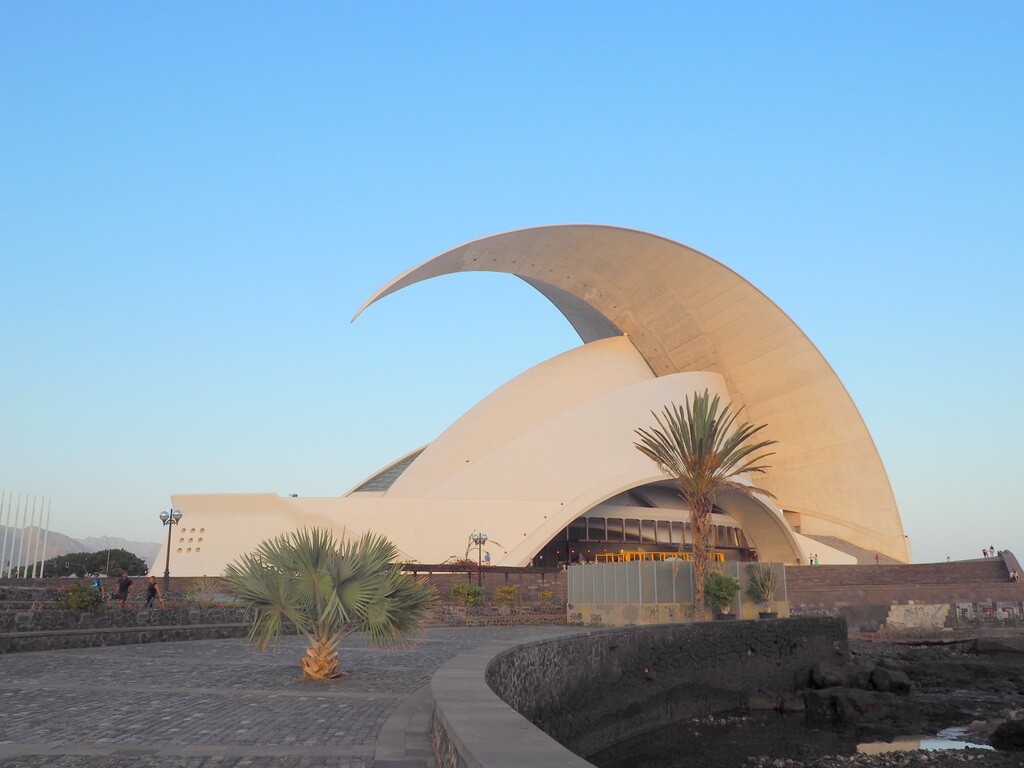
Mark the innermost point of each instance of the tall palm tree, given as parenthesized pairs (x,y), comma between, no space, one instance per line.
(703,450)
(328,590)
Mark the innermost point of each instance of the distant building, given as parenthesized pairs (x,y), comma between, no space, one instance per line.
(545,464)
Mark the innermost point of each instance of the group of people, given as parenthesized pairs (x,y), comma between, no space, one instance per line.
(990,552)
(1014,576)
(124,588)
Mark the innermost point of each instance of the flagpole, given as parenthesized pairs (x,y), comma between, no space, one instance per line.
(46,537)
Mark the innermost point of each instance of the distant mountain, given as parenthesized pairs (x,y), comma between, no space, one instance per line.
(59,544)
(147,550)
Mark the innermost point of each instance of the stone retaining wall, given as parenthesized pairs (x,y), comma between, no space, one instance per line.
(55,629)
(498,615)
(872,613)
(530,584)
(588,691)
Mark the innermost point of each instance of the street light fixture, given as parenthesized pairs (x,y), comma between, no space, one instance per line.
(479,539)
(170,519)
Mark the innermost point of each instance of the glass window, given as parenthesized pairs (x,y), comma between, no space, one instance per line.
(648,531)
(677,533)
(614,528)
(595,529)
(664,537)
(632,530)
(578,529)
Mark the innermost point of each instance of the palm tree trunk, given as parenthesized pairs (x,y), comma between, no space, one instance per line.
(321,659)
(701,517)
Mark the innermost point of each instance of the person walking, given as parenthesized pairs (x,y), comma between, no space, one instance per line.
(124,586)
(153,593)
(97,586)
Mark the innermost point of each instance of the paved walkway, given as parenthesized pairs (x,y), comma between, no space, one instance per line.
(216,703)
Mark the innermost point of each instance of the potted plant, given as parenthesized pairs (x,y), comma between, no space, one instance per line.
(764,583)
(719,592)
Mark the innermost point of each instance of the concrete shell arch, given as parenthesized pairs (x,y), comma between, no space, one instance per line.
(685,312)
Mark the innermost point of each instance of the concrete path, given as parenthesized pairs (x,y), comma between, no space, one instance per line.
(216,703)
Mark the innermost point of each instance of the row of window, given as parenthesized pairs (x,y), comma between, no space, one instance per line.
(643,531)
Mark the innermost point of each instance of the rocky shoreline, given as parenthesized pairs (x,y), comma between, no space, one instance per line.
(890,689)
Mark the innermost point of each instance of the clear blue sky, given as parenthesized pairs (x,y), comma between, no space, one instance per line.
(195,199)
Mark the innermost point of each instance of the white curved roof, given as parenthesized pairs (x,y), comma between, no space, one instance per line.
(685,312)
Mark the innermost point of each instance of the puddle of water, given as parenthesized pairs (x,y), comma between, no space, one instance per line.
(729,740)
(912,743)
(933,744)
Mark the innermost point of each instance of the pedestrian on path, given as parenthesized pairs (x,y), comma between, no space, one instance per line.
(153,593)
(124,586)
(97,586)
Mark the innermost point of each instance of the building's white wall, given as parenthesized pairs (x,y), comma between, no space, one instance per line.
(526,477)
(512,414)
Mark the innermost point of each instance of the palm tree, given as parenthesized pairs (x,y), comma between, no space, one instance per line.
(703,450)
(328,590)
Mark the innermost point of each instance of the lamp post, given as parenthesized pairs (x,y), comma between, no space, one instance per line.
(170,519)
(479,539)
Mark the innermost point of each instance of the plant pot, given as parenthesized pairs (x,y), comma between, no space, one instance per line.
(768,614)
(725,617)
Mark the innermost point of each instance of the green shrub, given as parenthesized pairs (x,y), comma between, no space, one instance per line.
(764,583)
(506,595)
(79,597)
(546,597)
(467,594)
(720,590)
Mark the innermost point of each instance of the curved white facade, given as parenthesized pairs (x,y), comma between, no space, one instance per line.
(661,321)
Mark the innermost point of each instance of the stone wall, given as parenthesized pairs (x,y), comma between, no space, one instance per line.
(55,629)
(593,690)
(451,615)
(531,583)
(877,613)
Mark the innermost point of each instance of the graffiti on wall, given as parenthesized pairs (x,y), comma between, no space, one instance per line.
(998,611)
(917,616)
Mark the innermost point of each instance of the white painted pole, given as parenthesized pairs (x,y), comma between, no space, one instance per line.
(46,536)
(33,531)
(39,539)
(27,534)
(13,518)
(21,537)
(6,520)
(5,561)
(33,541)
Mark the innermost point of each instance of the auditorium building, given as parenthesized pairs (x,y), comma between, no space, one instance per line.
(545,464)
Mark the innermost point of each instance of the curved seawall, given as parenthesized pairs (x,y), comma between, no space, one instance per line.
(551,701)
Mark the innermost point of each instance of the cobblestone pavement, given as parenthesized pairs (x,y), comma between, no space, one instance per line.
(216,703)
